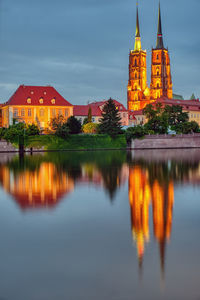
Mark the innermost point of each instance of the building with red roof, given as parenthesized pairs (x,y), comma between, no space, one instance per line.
(192,107)
(81,111)
(35,104)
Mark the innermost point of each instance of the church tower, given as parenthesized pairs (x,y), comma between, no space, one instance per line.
(161,81)
(137,90)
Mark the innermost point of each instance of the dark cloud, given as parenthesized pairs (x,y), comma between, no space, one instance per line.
(81,47)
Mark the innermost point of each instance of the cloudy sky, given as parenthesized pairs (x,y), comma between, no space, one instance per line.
(81,47)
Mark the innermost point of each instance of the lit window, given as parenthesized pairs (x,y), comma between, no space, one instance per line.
(60,112)
(53,112)
(28,100)
(41,100)
(93,119)
(157,57)
(15,114)
(66,112)
(41,112)
(32,92)
(53,101)
(29,112)
(22,112)
(116,107)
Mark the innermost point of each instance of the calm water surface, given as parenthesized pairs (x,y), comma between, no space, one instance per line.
(100,225)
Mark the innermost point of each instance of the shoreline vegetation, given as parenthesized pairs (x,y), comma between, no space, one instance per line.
(76,142)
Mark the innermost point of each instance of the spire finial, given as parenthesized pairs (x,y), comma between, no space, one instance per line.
(159,44)
(138,46)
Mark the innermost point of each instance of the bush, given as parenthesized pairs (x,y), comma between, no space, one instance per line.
(135,132)
(90,128)
(32,129)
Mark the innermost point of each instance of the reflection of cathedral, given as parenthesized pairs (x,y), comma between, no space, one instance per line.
(39,188)
(141,193)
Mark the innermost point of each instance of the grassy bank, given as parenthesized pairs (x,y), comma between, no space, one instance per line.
(77,142)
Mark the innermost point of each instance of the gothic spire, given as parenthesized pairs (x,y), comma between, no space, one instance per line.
(159,44)
(138,46)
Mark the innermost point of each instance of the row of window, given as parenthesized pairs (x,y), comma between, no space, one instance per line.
(194,116)
(29,112)
(41,100)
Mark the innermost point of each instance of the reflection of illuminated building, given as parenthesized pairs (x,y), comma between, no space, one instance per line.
(141,193)
(42,187)
(162,201)
(139,197)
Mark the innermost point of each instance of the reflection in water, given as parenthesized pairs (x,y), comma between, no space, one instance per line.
(43,180)
(141,194)
(43,187)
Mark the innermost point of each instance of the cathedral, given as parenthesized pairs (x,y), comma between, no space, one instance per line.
(138,92)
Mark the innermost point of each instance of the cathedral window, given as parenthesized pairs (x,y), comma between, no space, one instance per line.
(135,62)
(157,57)
(158,86)
(135,75)
(157,73)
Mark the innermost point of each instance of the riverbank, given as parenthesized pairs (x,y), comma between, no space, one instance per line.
(72,142)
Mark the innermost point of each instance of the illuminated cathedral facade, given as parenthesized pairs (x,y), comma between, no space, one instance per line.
(138,92)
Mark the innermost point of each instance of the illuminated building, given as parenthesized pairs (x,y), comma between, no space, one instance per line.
(44,187)
(141,194)
(35,104)
(138,93)
(137,90)
(161,81)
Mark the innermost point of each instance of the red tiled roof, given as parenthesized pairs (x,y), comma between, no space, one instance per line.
(35,93)
(186,104)
(82,110)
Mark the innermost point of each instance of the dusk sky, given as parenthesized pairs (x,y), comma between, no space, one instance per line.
(81,47)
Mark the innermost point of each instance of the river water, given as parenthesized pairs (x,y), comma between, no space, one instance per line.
(110,225)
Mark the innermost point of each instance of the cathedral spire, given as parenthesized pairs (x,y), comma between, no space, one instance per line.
(159,44)
(138,46)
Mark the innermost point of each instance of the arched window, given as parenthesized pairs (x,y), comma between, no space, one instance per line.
(157,57)
(157,73)
(135,75)
(135,87)
(158,85)
(135,62)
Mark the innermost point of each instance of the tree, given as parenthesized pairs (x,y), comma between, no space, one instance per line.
(89,118)
(110,121)
(192,97)
(175,114)
(57,122)
(62,131)
(74,125)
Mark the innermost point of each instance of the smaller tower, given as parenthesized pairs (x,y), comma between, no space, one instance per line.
(137,89)
(161,81)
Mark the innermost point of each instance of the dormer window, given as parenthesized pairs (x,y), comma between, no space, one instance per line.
(53,101)
(32,92)
(29,100)
(41,100)
(45,92)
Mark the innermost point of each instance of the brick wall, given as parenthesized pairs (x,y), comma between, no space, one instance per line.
(167,141)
